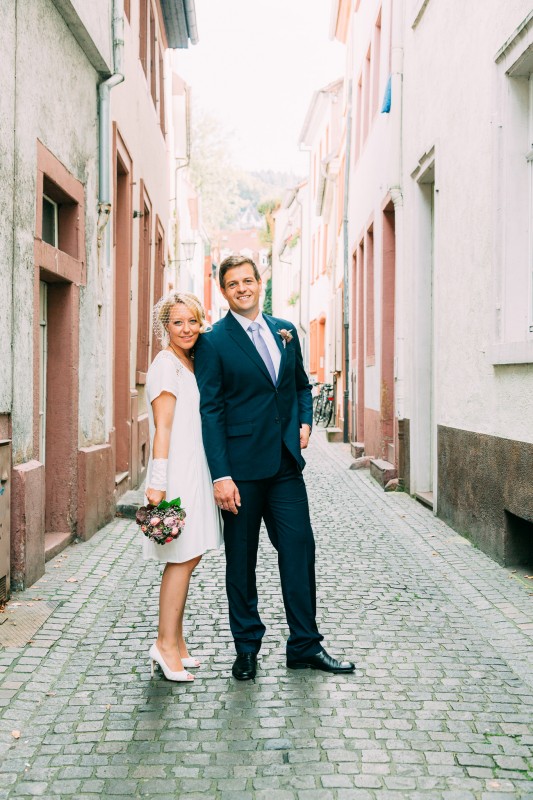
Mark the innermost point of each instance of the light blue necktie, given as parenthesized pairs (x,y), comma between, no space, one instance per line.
(262,349)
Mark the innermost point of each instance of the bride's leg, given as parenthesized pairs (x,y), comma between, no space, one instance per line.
(172,599)
(182,645)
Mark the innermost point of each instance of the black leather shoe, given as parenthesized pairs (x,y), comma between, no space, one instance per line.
(244,666)
(322,661)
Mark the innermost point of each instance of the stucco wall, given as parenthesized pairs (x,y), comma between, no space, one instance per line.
(7,95)
(90,24)
(449,105)
(56,103)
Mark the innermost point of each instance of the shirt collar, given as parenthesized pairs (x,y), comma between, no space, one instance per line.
(245,322)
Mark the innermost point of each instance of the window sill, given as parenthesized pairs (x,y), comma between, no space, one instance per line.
(511,353)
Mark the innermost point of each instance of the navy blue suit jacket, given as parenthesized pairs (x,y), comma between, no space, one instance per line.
(245,418)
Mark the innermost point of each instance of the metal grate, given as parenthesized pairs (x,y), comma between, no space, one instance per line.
(3,591)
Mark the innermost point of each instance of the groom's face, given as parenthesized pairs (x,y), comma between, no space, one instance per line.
(242,290)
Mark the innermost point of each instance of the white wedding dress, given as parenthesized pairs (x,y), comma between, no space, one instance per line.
(188,473)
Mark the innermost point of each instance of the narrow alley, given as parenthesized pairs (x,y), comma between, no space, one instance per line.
(440,705)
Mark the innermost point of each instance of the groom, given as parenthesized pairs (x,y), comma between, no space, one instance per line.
(256,418)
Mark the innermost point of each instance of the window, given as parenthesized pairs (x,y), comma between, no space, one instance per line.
(60,218)
(376,66)
(162,92)
(357,122)
(318,267)
(370,341)
(514,201)
(144,284)
(366,95)
(50,221)
(153,47)
(143,34)
(325,249)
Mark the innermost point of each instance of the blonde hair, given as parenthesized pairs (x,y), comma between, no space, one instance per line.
(161,314)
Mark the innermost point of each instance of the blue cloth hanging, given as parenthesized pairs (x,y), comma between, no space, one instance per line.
(387,98)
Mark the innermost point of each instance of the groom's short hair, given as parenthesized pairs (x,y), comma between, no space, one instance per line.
(235,261)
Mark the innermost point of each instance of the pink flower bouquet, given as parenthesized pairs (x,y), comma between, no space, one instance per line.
(162,523)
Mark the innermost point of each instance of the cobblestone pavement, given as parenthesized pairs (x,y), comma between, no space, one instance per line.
(440,705)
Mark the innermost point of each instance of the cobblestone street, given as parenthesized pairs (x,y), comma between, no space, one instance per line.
(440,705)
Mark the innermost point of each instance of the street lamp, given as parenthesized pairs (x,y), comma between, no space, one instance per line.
(188,253)
(188,250)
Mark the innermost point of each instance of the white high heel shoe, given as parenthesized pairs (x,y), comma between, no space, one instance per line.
(181,675)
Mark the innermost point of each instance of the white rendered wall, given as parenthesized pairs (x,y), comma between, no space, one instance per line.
(449,106)
(56,89)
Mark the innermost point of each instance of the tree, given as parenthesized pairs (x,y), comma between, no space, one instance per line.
(267,303)
(212,172)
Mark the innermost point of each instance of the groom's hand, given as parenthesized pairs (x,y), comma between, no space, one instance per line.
(305,433)
(227,495)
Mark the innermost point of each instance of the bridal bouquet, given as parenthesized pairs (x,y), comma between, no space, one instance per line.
(162,523)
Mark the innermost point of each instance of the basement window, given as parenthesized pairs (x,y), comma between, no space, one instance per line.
(519,547)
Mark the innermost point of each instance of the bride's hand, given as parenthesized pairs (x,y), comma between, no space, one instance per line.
(154,496)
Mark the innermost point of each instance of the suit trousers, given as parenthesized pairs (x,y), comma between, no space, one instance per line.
(281,501)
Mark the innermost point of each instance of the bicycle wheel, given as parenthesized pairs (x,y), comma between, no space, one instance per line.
(318,408)
(328,413)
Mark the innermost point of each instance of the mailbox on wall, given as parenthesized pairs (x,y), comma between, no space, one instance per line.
(5,522)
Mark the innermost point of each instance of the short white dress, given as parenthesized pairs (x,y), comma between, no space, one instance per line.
(188,474)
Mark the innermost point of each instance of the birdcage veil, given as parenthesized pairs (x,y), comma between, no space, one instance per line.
(161,314)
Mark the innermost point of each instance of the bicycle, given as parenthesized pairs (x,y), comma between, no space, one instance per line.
(323,405)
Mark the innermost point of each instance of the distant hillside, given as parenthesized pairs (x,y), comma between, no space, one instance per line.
(225,189)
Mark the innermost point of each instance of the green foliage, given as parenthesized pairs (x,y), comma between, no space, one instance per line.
(226,190)
(267,305)
(212,173)
(170,503)
(267,209)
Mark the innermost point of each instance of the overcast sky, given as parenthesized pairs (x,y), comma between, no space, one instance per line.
(255,69)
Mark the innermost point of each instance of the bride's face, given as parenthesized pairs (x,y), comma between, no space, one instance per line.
(183,327)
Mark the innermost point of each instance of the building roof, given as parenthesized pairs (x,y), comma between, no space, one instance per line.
(180,22)
(317,107)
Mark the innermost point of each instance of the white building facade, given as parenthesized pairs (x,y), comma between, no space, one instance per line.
(440,238)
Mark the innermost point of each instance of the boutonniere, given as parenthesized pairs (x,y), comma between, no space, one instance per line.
(286,336)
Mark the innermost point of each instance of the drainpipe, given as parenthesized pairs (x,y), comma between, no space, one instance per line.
(346,277)
(181,163)
(302,327)
(397,198)
(104,92)
(104,196)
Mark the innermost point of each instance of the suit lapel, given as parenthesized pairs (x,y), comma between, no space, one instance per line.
(241,338)
(274,327)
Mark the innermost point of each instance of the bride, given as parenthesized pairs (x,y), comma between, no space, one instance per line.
(178,468)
